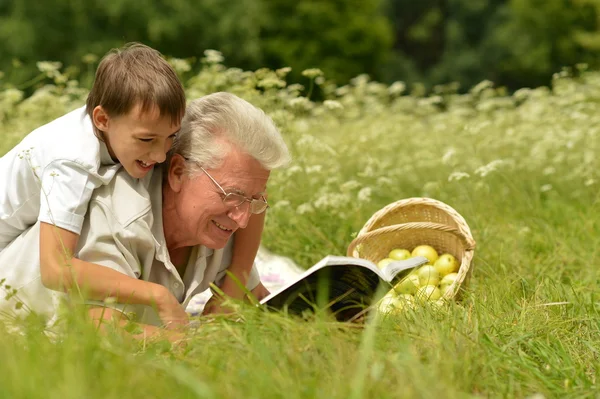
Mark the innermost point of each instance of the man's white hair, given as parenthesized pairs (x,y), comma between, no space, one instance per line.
(219,122)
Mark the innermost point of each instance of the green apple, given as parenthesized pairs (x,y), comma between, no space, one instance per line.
(428,275)
(449,279)
(428,293)
(384,262)
(427,251)
(446,264)
(391,303)
(408,285)
(444,289)
(404,301)
(399,254)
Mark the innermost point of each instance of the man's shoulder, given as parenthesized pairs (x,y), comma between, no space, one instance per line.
(126,198)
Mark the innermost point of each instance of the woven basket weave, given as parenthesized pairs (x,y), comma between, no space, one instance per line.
(415,221)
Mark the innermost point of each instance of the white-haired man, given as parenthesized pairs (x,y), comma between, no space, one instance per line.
(173,228)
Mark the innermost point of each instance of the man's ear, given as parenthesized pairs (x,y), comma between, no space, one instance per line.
(177,172)
(100,118)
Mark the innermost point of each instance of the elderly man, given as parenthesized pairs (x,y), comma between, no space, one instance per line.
(173,228)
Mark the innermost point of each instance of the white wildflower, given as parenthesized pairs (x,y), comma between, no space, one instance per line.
(213,56)
(293,170)
(447,157)
(48,67)
(364,195)
(332,105)
(457,176)
(397,88)
(314,169)
(271,82)
(312,73)
(350,185)
(281,204)
(489,168)
(589,182)
(281,72)
(332,201)
(550,170)
(180,65)
(546,188)
(304,208)
(384,181)
(302,103)
(481,86)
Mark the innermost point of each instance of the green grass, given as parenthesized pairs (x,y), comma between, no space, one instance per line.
(529,320)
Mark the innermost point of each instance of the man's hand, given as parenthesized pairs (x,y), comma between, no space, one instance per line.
(170,311)
(260,292)
(215,303)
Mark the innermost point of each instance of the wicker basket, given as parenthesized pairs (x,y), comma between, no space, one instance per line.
(415,221)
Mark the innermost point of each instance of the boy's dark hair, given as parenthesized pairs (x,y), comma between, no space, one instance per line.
(136,74)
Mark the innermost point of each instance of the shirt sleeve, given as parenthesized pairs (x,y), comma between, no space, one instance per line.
(65,193)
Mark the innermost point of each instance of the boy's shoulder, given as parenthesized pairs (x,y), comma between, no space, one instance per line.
(68,138)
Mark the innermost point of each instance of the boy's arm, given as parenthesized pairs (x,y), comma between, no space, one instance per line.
(60,271)
(100,316)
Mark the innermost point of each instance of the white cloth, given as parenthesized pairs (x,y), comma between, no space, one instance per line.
(275,272)
(50,175)
(121,231)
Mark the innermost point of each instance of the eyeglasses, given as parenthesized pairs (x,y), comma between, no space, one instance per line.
(236,200)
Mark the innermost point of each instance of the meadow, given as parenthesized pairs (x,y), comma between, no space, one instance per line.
(522,169)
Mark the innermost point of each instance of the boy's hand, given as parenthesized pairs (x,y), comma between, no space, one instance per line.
(170,311)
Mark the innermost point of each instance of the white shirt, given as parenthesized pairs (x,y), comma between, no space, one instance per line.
(50,175)
(124,232)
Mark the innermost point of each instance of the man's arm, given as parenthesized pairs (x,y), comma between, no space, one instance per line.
(60,271)
(245,248)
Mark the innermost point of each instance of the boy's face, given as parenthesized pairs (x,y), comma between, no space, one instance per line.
(138,140)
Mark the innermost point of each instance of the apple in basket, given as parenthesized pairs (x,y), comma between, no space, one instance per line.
(446,264)
(409,285)
(428,275)
(447,281)
(428,293)
(399,254)
(427,251)
(384,262)
(392,303)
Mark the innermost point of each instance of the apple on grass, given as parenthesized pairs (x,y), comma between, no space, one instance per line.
(446,264)
(427,251)
(399,254)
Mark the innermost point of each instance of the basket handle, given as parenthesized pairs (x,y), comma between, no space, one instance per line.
(467,241)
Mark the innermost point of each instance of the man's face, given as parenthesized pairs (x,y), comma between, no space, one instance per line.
(138,140)
(201,216)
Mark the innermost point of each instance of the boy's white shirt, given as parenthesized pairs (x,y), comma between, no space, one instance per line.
(124,232)
(50,175)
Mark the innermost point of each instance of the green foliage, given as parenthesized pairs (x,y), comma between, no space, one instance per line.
(517,43)
(521,168)
(344,38)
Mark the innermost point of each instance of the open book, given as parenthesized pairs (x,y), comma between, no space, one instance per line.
(343,285)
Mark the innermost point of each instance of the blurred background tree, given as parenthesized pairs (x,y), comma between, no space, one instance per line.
(514,43)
